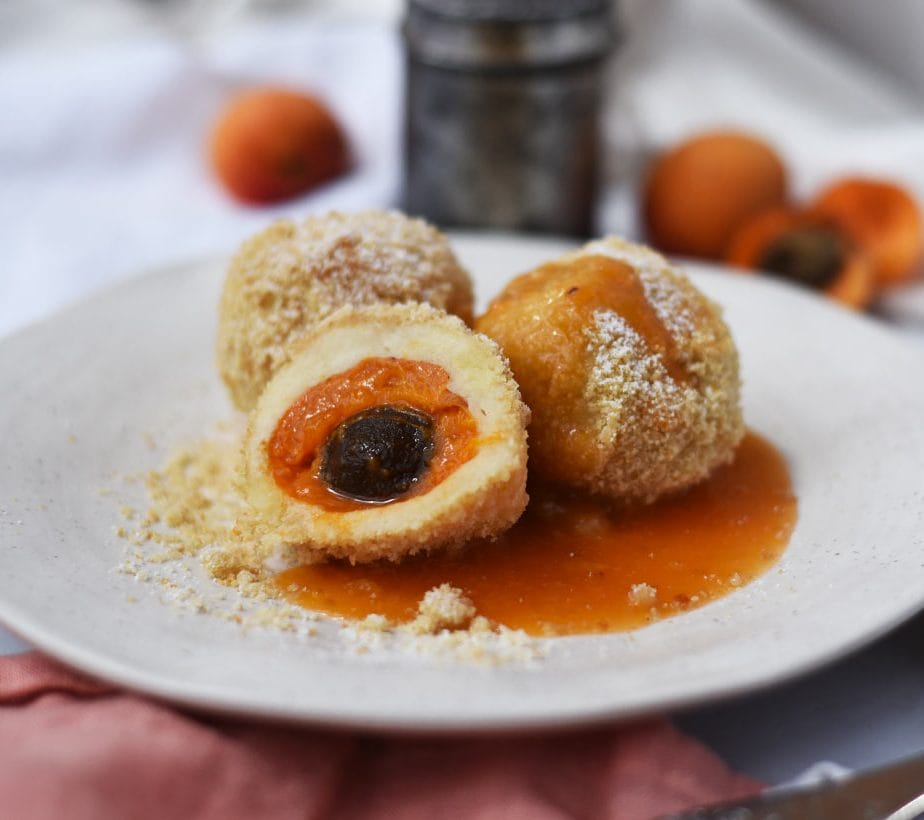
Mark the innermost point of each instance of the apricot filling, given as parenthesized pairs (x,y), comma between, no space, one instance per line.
(385,430)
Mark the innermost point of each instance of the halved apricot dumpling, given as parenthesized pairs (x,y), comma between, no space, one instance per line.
(629,371)
(394,429)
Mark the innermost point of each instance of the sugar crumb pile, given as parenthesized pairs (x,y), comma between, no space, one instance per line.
(642,594)
(196,546)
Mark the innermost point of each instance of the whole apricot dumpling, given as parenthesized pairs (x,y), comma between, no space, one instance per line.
(629,372)
(289,277)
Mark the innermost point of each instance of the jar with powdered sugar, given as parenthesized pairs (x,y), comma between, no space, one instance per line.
(502,112)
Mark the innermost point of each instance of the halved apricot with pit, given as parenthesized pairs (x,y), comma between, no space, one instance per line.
(805,249)
(882,219)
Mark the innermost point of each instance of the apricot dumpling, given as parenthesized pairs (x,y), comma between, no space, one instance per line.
(629,371)
(292,275)
(392,430)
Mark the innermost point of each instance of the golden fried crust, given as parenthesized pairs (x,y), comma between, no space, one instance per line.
(292,275)
(482,497)
(610,414)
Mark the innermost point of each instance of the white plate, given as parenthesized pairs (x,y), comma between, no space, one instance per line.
(841,397)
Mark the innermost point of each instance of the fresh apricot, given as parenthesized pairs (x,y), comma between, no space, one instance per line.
(883,219)
(271,144)
(807,249)
(698,193)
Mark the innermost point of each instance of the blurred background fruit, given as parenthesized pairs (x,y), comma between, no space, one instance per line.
(722,195)
(699,192)
(271,144)
(883,219)
(807,250)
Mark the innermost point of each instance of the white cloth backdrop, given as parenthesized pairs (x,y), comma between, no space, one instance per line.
(103,169)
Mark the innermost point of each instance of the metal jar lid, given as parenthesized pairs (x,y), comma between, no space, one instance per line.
(508,35)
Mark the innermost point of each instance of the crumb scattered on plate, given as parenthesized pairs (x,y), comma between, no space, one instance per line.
(195,546)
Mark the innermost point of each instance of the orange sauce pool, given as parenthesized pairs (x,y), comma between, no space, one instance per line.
(294,449)
(572,565)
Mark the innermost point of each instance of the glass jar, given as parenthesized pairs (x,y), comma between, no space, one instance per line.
(502,112)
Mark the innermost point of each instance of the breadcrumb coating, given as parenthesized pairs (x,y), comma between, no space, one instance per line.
(613,413)
(442,607)
(480,498)
(290,276)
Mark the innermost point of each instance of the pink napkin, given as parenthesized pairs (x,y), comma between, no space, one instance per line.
(76,748)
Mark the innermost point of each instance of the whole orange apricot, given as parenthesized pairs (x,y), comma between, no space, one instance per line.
(699,192)
(270,144)
(883,219)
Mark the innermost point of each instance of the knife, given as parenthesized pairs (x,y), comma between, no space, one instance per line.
(893,792)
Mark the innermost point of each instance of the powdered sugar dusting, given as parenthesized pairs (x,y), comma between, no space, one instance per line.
(625,371)
(292,275)
(659,281)
(400,257)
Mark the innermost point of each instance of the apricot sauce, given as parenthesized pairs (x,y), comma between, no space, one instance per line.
(574,564)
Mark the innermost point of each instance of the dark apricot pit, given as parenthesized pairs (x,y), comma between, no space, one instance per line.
(810,256)
(377,455)
(385,430)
